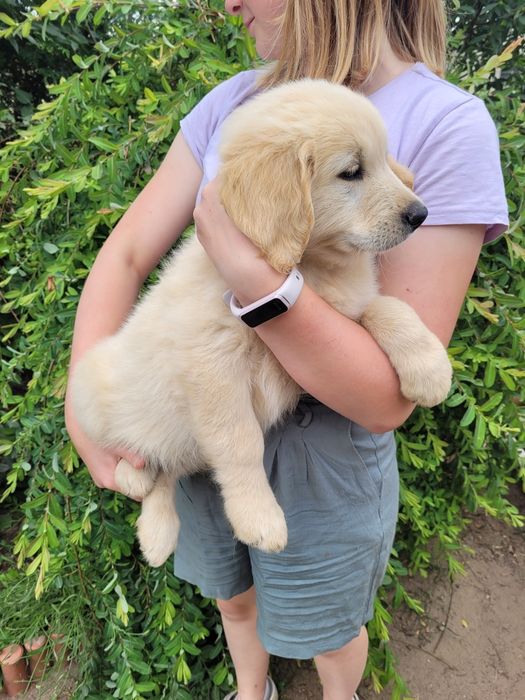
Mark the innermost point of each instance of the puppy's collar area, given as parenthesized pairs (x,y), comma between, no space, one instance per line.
(271,305)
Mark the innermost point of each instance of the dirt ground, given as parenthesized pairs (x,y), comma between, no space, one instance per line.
(469,645)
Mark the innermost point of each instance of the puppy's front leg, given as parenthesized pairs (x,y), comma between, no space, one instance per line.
(232,444)
(417,355)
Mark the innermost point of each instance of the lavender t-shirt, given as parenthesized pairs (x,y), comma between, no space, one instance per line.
(442,133)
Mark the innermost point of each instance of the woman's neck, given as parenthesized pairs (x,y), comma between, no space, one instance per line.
(389,67)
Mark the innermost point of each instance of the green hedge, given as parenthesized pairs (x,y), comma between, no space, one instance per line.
(65,180)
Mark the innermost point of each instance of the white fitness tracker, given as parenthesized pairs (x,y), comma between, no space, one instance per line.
(270,306)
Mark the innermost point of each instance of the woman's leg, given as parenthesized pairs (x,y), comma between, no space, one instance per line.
(340,671)
(239,618)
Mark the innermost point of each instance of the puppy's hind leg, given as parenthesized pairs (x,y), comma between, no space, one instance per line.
(231,441)
(158,524)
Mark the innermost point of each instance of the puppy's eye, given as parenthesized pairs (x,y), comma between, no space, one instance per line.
(355,174)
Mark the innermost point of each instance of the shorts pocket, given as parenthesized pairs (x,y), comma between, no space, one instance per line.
(366,460)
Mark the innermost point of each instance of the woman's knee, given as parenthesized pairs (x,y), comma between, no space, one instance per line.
(239,608)
(358,646)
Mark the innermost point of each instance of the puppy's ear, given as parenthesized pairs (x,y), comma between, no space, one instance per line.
(403,173)
(266,190)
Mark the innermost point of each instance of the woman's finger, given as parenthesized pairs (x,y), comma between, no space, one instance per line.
(132,457)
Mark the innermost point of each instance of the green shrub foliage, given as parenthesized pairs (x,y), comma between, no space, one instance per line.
(69,563)
(28,62)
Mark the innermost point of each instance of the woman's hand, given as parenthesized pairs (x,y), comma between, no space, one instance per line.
(101,463)
(239,262)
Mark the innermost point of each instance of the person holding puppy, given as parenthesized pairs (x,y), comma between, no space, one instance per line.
(332,463)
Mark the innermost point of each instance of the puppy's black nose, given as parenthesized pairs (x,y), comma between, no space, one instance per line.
(414,215)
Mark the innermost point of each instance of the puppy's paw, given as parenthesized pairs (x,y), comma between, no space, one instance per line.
(427,379)
(263,527)
(417,354)
(134,483)
(158,527)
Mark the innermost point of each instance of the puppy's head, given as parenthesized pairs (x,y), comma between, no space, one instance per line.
(307,162)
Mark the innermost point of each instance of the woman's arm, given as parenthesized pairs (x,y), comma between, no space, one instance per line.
(145,233)
(328,355)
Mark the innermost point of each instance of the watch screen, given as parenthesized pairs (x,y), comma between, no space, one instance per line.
(264,313)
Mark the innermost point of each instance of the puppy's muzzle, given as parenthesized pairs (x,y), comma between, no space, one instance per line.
(414,215)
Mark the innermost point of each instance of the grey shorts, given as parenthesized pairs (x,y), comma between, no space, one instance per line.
(338,486)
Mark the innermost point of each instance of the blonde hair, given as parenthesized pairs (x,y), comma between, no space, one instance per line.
(340,40)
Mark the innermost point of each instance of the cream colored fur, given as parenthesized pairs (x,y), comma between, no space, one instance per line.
(190,387)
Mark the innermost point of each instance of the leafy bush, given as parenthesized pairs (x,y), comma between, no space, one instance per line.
(480,29)
(65,180)
(29,60)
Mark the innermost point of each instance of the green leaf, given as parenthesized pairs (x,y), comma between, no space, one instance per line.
(51,536)
(139,666)
(491,403)
(507,379)
(182,670)
(490,374)
(479,431)
(468,416)
(103,144)
(220,674)
(99,14)
(146,687)
(7,20)
(150,95)
(26,28)
(34,565)
(83,12)
(456,400)
(35,547)
(48,6)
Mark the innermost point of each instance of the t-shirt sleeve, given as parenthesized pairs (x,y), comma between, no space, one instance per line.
(199,125)
(458,171)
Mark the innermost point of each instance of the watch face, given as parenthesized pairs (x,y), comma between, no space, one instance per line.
(264,313)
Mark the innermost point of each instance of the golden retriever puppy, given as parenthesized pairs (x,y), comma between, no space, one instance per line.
(185,384)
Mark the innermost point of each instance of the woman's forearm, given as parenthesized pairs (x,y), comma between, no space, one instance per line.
(337,361)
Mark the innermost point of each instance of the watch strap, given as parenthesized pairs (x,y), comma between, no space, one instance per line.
(269,306)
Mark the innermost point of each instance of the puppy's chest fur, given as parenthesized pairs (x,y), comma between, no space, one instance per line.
(344,277)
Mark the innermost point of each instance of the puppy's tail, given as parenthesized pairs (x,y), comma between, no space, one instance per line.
(93,389)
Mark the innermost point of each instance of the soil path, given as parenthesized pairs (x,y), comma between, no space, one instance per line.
(470,644)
